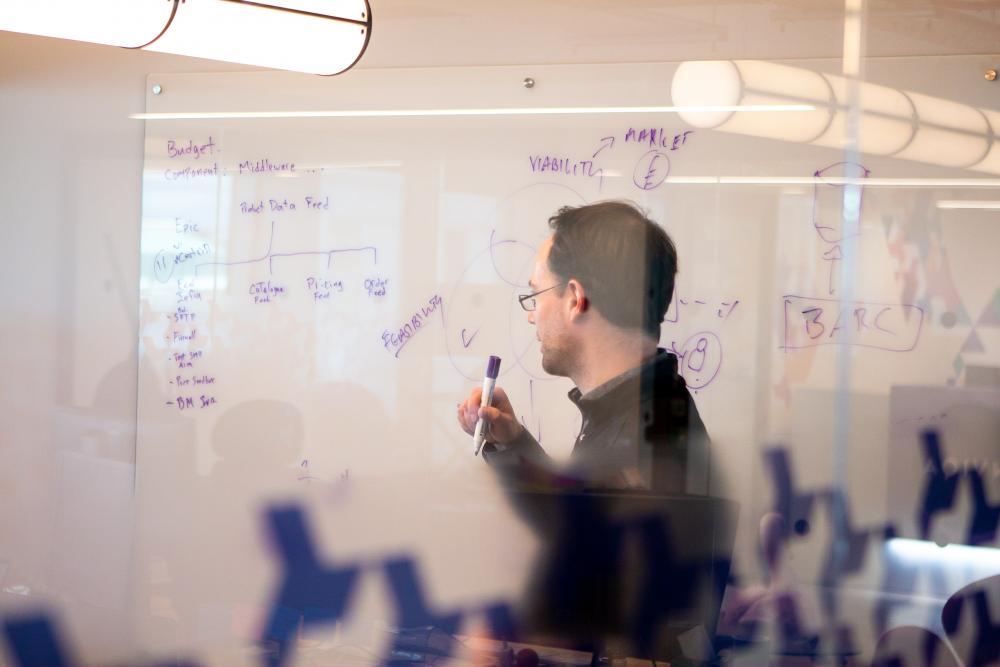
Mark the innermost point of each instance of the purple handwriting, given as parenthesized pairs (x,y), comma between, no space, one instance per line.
(264,291)
(606,142)
(306,477)
(810,322)
(376,286)
(833,255)
(395,341)
(699,359)
(283,205)
(187,296)
(656,137)
(318,204)
(195,380)
(651,170)
(828,198)
(467,341)
(197,150)
(191,402)
(182,315)
(828,213)
(167,260)
(186,291)
(181,337)
(186,359)
(321,288)
(185,226)
(182,255)
(265,166)
(727,308)
(567,166)
(677,305)
(188,173)
(269,256)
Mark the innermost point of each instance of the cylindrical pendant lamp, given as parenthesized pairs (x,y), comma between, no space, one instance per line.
(315,36)
(128,23)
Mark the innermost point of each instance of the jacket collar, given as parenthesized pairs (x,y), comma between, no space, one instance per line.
(625,391)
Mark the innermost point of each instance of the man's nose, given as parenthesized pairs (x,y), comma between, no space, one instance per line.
(531,317)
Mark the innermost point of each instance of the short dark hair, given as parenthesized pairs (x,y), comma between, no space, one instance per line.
(624,260)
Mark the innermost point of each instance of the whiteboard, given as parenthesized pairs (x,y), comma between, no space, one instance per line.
(327,264)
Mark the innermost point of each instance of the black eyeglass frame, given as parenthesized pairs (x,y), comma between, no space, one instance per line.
(523,298)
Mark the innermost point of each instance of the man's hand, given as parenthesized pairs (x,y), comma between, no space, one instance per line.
(500,417)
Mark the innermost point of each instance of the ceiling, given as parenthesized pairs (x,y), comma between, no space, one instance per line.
(477,32)
(450,33)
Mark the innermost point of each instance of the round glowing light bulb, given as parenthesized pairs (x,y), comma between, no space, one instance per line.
(710,83)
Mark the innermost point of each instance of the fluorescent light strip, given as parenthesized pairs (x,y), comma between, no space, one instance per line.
(827,180)
(952,554)
(525,111)
(968,203)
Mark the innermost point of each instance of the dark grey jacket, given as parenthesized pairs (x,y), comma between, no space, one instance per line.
(640,430)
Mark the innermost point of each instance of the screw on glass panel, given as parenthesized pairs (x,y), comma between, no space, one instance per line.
(528,82)
(991,75)
(157,89)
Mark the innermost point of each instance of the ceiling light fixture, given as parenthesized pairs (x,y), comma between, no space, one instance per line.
(968,204)
(514,111)
(841,180)
(128,23)
(314,36)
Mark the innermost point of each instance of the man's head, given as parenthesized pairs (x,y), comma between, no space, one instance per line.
(611,265)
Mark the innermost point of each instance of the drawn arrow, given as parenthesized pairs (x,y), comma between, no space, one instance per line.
(606,142)
(833,255)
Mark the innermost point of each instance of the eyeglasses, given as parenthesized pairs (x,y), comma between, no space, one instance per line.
(527,301)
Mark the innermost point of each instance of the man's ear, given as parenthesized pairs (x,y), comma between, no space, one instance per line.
(578,303)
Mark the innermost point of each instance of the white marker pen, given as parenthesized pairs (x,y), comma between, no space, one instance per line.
(490,381)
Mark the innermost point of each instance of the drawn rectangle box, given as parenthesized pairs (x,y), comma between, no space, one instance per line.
(811,322)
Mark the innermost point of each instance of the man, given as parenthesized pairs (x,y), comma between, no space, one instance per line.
(600,288)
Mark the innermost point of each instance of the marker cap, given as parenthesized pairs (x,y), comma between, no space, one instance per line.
(493,367)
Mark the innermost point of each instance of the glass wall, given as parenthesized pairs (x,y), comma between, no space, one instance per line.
(744,407)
